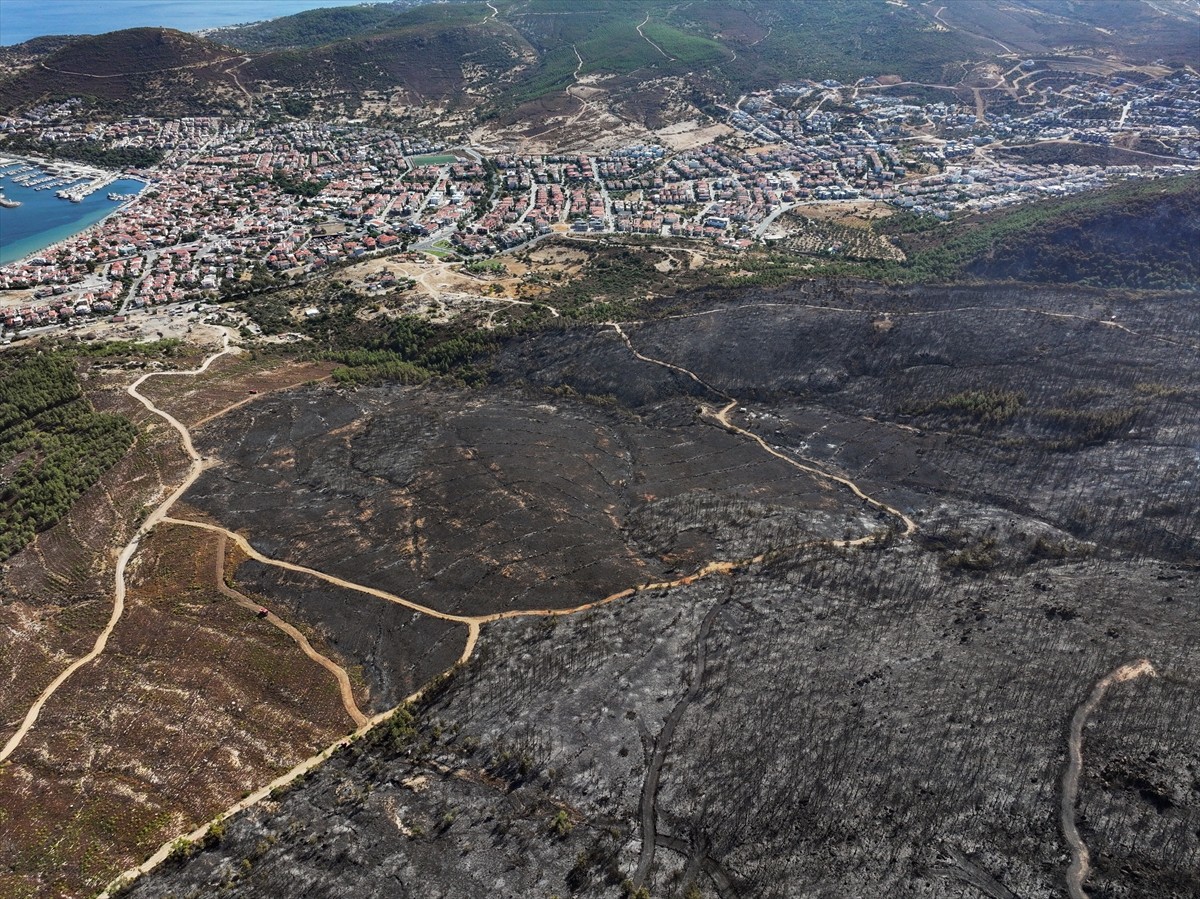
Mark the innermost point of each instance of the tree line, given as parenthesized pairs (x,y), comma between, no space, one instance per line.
(53,445)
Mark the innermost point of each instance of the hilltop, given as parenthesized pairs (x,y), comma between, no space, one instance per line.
(128,72)
(512,64)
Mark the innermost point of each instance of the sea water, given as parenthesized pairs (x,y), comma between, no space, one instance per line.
(43,219)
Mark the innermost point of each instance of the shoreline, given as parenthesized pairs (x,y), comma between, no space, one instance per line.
(98,180)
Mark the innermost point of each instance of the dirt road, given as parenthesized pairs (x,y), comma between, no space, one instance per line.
(721,416)
(343,679)
(197,467)
(1078,871)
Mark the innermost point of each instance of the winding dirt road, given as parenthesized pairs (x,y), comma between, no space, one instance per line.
(721,416)
(193,65)
(910,526)
(343,679)
(284,780)
(1080,860)
(645,21)
(474,623)
(197,467)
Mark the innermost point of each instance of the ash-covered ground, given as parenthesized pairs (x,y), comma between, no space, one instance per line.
(889,719)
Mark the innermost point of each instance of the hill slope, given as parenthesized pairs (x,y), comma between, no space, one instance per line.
(439,56)
(513,52)
(1143,235)
(129,71)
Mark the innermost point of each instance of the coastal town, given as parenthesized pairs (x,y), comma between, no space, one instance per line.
(233,205)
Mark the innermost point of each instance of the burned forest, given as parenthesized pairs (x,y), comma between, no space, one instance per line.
(832,590)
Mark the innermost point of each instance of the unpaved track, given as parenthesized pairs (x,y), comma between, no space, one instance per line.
(1078,871)
(212,416)
(321,575)
(343,679)
(194,65)
(645,21)
(474,623)
(910,526)
(649,800)
(721,416)
(197,467)
(669,365)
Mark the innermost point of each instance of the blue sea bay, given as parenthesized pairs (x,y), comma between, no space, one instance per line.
(43,219)
(21,20)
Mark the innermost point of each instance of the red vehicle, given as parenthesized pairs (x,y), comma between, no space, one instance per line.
(262,612)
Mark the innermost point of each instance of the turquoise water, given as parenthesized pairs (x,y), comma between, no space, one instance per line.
(21,20)
(43,219)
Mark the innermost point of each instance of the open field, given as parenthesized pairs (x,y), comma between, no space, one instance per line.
(435,159)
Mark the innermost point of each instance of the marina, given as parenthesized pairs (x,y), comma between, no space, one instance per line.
(44,203)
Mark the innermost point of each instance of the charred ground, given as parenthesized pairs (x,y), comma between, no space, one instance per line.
(888,719)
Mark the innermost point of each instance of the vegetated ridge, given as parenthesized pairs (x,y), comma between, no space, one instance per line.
(508,54)
(128,72)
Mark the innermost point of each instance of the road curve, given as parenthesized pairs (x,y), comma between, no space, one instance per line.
(721,416)
(648,807)
(155,517)
(343,679)
(321,575)
(1078,871)
(474,623)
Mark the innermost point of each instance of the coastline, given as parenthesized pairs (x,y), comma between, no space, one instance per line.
(58,242)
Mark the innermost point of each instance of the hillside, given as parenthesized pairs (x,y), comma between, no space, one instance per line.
(127,72)
(1140,32)
(1144,235)
(53,445)
(316,27)
(440,57)
(776,691)
(520,61)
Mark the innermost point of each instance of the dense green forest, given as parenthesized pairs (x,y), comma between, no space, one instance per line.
(53,444)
